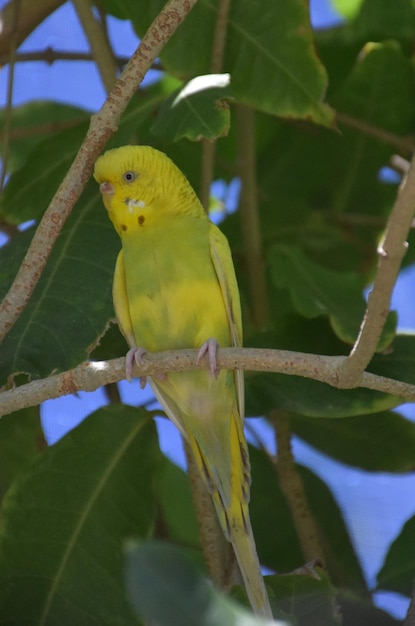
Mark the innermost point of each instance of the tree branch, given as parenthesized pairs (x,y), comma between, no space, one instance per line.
(31,15)
(8,110)
(103,125)
(99,44)
(209,147)
(293,489)
(249,217)
(90,375)
(391,251)
(404,144)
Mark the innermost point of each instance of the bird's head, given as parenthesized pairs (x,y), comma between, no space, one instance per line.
(141,186)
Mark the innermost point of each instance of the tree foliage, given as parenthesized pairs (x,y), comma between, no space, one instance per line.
(317,116)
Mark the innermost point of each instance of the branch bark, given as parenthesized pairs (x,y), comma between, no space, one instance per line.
(31,14)
(391,251)
(99,44)
(293,490)
(90,375)
(209,147)
(249,217)
(103,125)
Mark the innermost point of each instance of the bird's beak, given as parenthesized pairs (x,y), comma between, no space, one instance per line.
(106,188)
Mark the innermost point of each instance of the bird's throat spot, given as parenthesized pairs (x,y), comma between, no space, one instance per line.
(141,220)
(123,227)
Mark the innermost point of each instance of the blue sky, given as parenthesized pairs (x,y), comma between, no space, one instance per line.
(372,521)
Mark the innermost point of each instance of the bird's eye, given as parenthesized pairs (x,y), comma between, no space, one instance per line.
(129,177)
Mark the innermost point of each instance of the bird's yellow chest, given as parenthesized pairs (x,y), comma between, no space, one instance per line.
(174,296)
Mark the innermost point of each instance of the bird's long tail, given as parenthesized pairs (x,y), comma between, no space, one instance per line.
(231,503)
(243,543)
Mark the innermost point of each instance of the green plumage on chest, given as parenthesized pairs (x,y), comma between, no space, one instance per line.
(174,296)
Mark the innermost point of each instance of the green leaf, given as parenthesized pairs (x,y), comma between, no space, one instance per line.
(272,61)
(316,290)
(399,361)
(31,123)
(166,588)
(269,53)
(381,442)
(382,20)
(72,303)
(178,512)
(274,530)
(20,441)
(265,392)
(198,110)
(398,571)
(360,611)
(32,186)
(347,8)
(306,598)
(64,522)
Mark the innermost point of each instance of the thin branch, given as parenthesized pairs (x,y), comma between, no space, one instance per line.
(99,44)
(90,375)
(209,147)
(31,15)
(391,251)
(42,129)
(50,55)
(217,550)
(8,110)
(404,144)
(249,217)
(293,489)
(103,125)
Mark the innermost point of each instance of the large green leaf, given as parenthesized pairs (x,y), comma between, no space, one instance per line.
(269,52)
(166,588)
(32,186)
(321,190)
(398,571)
(31,123)
(72,303)
(64,522)
(398,362)
(308,598)
(360,611)
(379,20)
(316,290)
(20,441)
(381,442)
(265,392)
(178,512)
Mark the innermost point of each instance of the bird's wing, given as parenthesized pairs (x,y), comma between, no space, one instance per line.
(120,298)
(222,262)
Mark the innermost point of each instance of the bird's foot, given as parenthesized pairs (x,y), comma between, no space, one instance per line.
(210,347)
(135,355)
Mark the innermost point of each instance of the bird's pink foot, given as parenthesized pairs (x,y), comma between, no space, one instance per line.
(135,355)
(210,347)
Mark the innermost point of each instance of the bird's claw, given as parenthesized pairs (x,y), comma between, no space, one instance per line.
(210,347)
(135,355)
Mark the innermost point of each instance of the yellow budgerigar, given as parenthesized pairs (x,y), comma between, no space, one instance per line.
(175,288)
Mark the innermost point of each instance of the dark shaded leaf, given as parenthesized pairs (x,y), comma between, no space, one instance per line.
(64,522)
(381,442)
